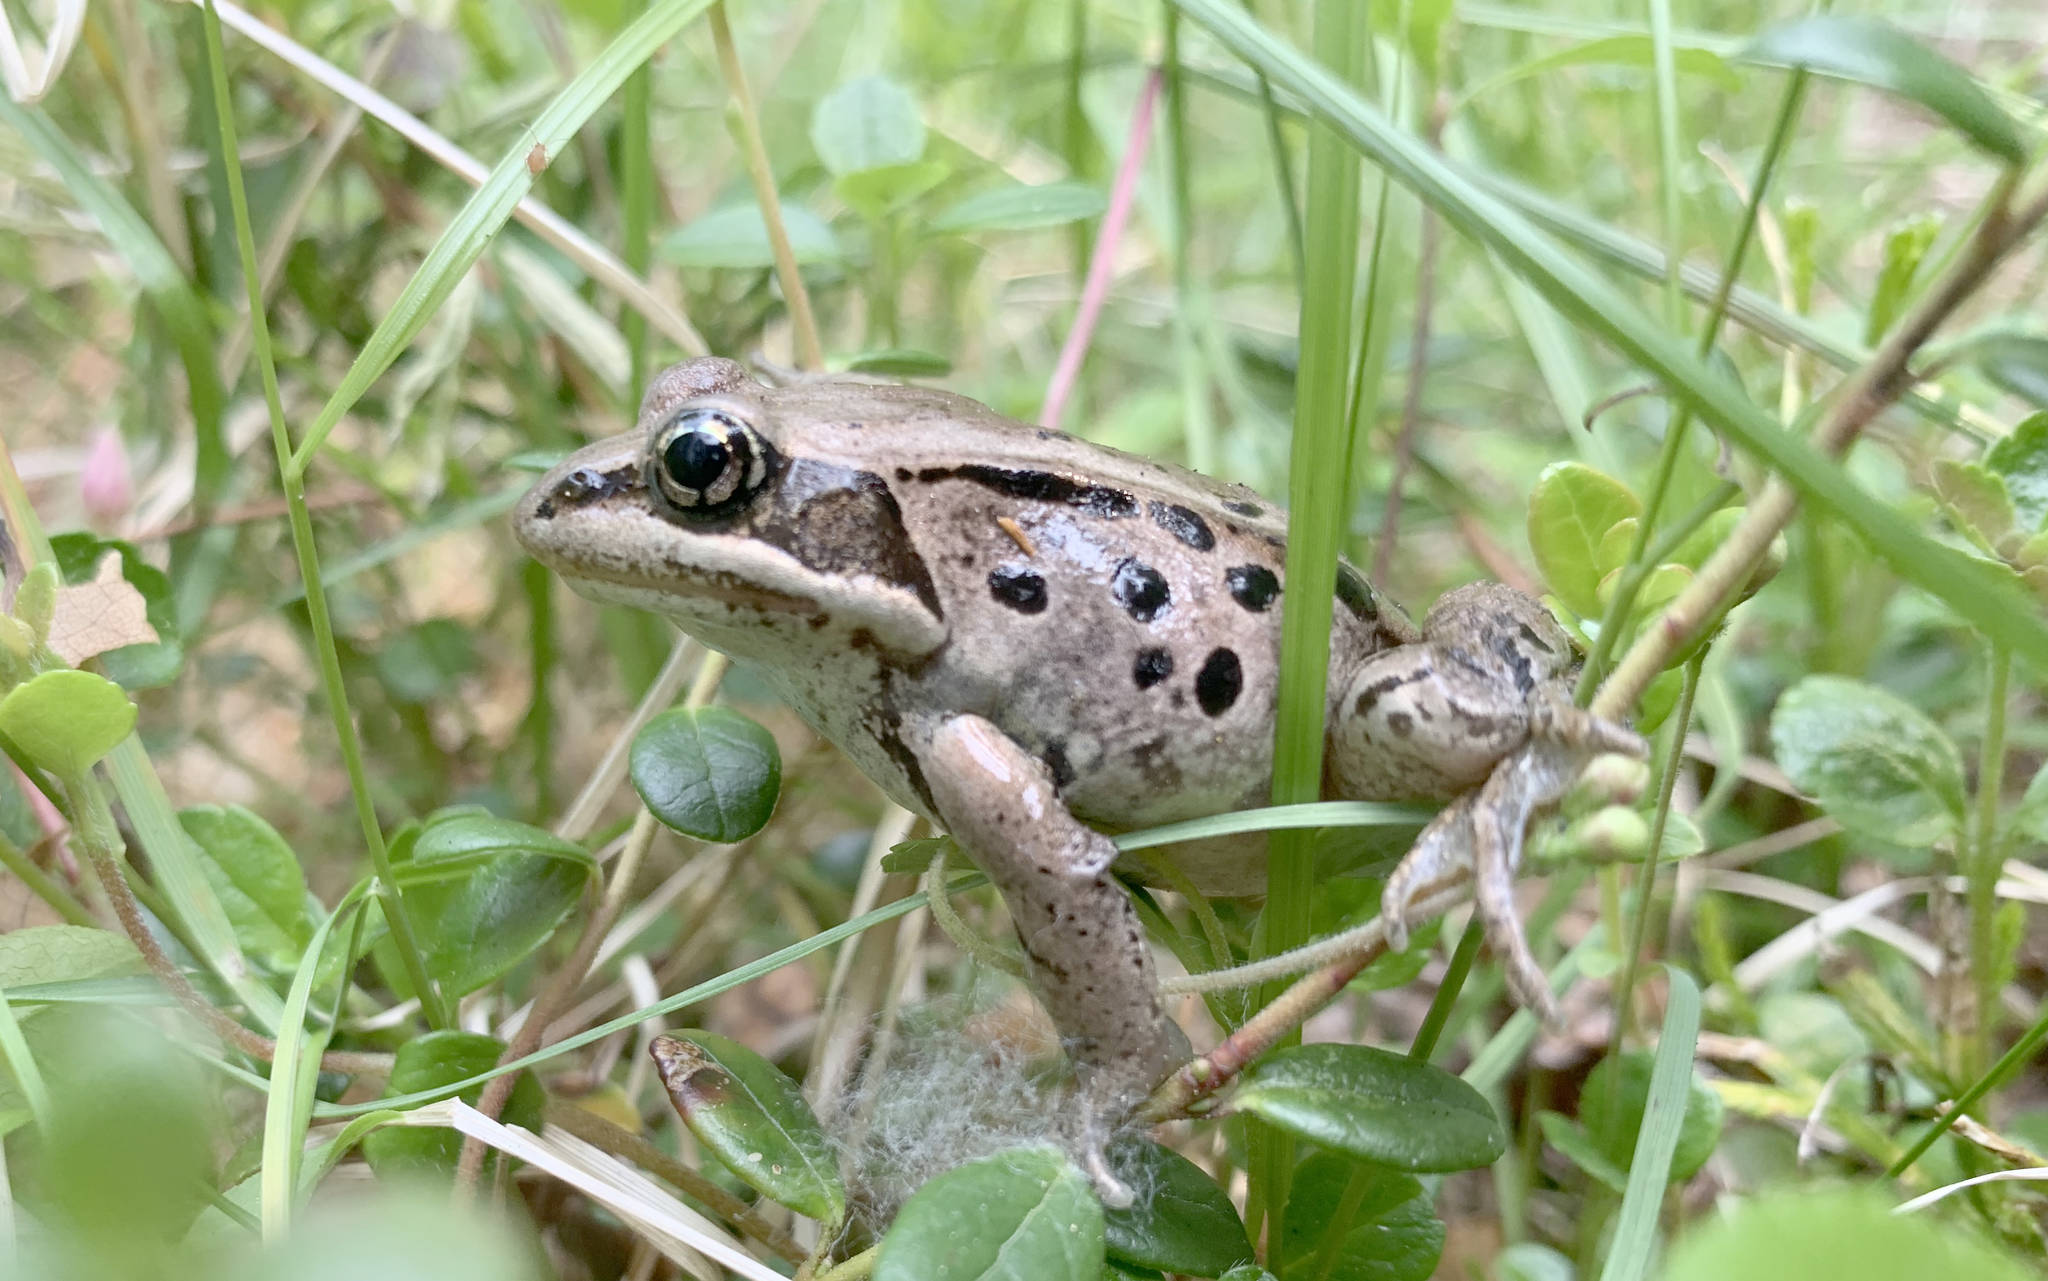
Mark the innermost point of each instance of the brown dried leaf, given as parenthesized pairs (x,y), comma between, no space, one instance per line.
(106,613)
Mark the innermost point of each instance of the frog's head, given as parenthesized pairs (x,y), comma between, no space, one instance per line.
(722,511)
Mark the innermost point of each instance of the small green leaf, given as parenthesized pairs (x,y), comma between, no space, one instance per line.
(1975,499)
(1872,760)
(2018,363)
(1394,1234)
(1570,511)
(434,1060)
(2020,458)
(1869,52)
(869,123)
(1707,539)
(65,721)
(257,878)
(736,236)
(2030,816)
(1794,1234)
(1903,249)
(484,893)
(1181,1221)
(876,193)
(1376,1105)
(900,362)
(754,1119)
(1021,208)
(912,858)
(1528,1261)
(711,773)
(1577,1146)
(1614,1113)
(1023,1214)
(143,666)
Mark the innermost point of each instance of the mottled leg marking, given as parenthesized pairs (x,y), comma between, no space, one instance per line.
(1089,958)
(1483,829)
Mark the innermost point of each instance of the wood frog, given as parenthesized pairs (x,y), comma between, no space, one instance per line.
(1035,641)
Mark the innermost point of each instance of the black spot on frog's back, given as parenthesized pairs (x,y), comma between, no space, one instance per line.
(1187,526)
(1140,589)
(1043,486)
(1152,666)
(1253,586)
(1219,682)
(1020,589)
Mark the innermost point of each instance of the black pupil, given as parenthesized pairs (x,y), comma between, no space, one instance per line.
(696,459)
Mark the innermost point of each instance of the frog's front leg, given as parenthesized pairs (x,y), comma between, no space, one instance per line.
(1088,954)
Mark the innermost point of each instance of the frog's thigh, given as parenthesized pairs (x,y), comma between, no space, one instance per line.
(1414,722)
(1088,952)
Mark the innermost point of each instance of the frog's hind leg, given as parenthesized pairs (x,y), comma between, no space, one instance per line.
(1089,958)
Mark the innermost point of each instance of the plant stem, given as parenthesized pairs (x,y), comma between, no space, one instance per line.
(1984,860)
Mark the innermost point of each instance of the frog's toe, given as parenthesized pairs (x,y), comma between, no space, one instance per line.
(1436,861)
(1496,853)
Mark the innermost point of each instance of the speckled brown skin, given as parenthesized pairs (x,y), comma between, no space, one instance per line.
(918,576)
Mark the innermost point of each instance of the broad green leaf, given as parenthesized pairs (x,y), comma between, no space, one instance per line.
(2016,362)
(711,773)
(1823,1234)
(754,1119)
(1474,204)
(1020,208)
(1707,539)
(1873,761)
(1570,511)
(1577,1146)
(1903,249)
(473,837)
(257,877)
(2020,458)
(1812,1030)
(1869,52)
(876,193)
(65,720)
(484,893)
(424,662)
(1022,1215)
(1612,1110)
(736,236)
(441,1058)
(50,954)
(131,666)
(869,123)
(1394,1235)
(1376,1105)
(1181,1221)
(1975,499)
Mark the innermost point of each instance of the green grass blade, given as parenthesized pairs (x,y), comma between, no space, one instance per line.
(1649,1170)
(1982,593)
(487,209)
(1664,61)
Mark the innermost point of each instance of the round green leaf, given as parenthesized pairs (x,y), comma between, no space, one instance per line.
(1870,52)
(473,836)
(869,123)
(1872,760)
(1020,208)
(428,1062)
(1181,1221)
(66,720)
(754,1119)
(1613,1112)
(1394,1235)
(1570,511)
(1795,1235)
(1375,1105)
(256,877)
(736,236)
(1023,1215)
(711,773)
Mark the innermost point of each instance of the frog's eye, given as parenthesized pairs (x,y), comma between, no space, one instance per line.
(706,460)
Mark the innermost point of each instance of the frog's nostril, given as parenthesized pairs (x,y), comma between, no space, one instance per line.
(580,485)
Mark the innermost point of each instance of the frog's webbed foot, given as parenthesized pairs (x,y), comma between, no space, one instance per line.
(1483,830)
(1089,958)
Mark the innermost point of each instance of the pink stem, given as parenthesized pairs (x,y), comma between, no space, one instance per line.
(1065,374)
